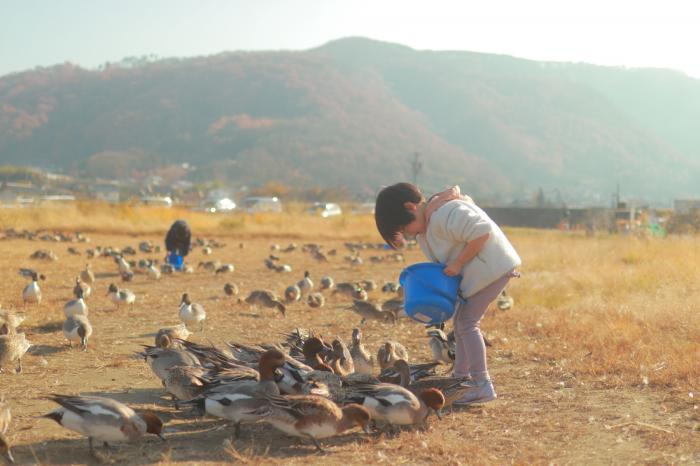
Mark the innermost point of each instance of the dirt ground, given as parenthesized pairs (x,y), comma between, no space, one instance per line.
(544,414)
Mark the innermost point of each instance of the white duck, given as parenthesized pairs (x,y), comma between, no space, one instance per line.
(121,296)
(77,306)
(77,327)
(32,292)
(192,314)
(103,419)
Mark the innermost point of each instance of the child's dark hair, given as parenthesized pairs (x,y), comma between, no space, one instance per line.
(391,214)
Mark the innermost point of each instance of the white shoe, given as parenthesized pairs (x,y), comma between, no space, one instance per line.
(479,394)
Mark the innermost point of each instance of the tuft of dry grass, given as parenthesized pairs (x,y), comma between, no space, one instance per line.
(99,217)
(611,306)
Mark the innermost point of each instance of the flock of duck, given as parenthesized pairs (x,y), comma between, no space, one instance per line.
(305,385)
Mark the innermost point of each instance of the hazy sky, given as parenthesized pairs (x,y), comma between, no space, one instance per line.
(609,32)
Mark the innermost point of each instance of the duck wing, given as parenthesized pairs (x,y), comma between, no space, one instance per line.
(94,407)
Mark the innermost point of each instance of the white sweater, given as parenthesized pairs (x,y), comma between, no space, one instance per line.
(455,224)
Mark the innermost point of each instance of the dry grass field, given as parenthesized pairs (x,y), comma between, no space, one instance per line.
(598,362)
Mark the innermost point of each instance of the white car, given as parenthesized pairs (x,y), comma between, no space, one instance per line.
(222,205)
(325,209)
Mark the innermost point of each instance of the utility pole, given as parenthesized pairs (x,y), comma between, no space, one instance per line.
(416,167)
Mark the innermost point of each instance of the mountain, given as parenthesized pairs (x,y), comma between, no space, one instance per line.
(355,111)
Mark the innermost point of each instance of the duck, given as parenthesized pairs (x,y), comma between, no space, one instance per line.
(504,301)
(266,298)
(319,255)
(87,276)
(153,271)
(77,327)
(348,289)
(396,405)
(32,292)
(368,285)
(442,351)
(12,320)
(103,419)
(231,289)
(184,383)
(211,356)
(315,300)
(361,358)
(292,374)
(5,421)
(84,288)
(326,283)
(306,285)
(162,359)
(76,306)
(394,305)
(211,266)
(311,349)
(173,333)
(146,246)
(392,351)
(292,293)
(417,372)
(242,402)
(368,310)
(314,417)
(27,273)
(192,313)
(124,267)
(452,388)
(12,347)
(225,268)
(342,363)
(390,287)
(121,296)
(283,268)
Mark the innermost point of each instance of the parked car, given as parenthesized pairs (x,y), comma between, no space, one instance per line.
(157,201)
(222,205)
(325,209)
(262,204)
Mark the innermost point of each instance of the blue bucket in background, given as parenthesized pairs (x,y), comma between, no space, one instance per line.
(430,296)
(175,260)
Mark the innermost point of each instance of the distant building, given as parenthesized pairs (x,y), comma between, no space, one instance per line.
(594,218)
(106,191)
(17,192)
(685,206)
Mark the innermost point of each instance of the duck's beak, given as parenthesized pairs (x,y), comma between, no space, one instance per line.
(162,437)
(438,413)
(366,429)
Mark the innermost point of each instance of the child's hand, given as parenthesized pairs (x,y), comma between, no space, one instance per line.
(452,269)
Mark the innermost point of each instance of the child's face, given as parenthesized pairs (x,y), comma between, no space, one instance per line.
(418,225)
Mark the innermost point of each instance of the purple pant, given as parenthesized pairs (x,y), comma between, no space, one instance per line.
(470,354)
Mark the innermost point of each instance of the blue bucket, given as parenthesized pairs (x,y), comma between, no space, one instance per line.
(175,260)
(430,296)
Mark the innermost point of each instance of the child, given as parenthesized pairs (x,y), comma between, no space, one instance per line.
(452,230)
(178,238)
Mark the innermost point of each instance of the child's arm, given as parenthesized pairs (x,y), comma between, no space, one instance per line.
(470,250)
